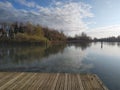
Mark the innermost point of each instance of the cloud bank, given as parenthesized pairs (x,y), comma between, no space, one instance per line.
(66,16)
(107,31)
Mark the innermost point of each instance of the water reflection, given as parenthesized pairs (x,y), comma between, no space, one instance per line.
(111,43)
(118,44)
(57,58)
(108,43)
(71,58)
(101,45)
(83,46)
(15,56)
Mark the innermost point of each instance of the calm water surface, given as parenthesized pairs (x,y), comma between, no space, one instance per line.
(102,59)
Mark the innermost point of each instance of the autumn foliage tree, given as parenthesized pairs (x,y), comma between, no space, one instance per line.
(28,32)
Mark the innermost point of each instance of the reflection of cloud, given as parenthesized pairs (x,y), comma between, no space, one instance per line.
(71,60)
(66,16)
(35,59)
(86,67)
(110,49)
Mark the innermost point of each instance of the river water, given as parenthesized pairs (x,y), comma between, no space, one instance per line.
(102,59)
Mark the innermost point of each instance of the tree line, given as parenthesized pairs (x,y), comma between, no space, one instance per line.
(27,32)
(108,39)
(83,37)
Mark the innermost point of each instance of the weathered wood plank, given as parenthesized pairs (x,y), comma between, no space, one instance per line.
(66,78)
(80,82)
(6,78)
(26,82)
(20,82)
(30,82)
(69,82)
(12,85)
(43,79)
(100,82)
(55,82)
(11,81)
(49,81)
(93,82)
(39,79)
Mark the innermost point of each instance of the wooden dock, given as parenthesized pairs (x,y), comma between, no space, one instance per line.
(49,81)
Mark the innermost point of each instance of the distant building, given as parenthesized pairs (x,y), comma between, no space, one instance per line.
(7,30)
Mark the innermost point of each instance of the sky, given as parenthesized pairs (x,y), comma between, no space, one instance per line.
(97,18)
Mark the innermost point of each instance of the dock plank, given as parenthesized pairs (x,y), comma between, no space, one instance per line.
(10,81)
(49,81)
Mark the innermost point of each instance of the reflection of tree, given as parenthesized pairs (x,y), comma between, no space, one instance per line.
(54,49)
(21,54)
(94,43)
(26,54)
(118,44)
(82,45)
(111,43)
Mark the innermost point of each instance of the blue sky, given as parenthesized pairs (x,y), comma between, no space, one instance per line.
(98,18)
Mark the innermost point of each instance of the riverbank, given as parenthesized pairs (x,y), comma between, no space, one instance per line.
(14,42)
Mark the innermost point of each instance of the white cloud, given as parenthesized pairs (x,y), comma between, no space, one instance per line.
(26,3)
(68,17)
(107,31)
(6,4)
